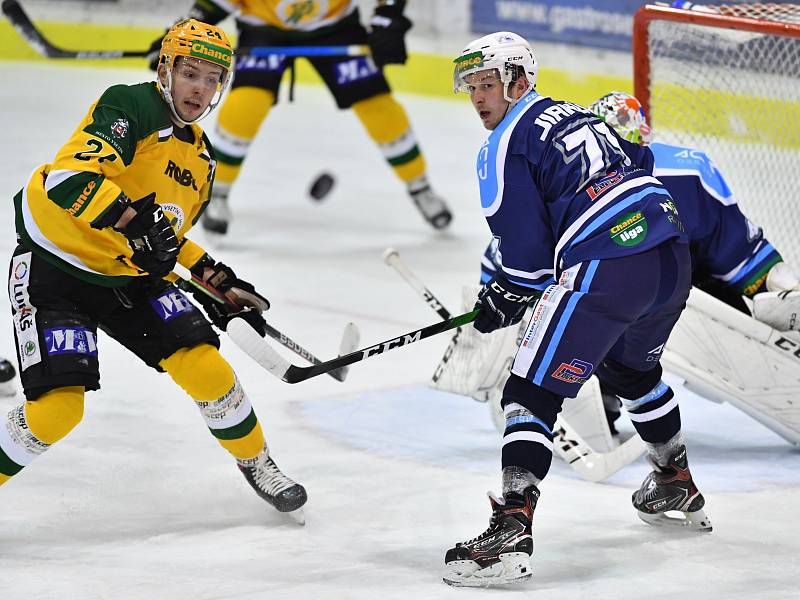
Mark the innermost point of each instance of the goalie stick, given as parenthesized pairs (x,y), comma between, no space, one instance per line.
(349,341)
(25,27)
(256,347)
(567,442)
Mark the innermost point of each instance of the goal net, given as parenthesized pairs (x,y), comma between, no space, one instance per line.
(725,79)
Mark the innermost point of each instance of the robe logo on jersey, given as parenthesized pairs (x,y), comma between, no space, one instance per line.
(171,304)
(295,12)
(356,69)
(120,128)
(630,230)
(577,371)
(182,176)
(70,340)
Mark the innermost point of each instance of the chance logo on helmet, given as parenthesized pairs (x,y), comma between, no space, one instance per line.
(504,51)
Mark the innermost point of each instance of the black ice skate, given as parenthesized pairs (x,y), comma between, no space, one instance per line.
(217,216)
(502,553)
(264,476)
(7,374)
(432,207)
(671,488)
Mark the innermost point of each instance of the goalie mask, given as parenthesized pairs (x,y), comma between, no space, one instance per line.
(190,39)
(505,52)
(625,114)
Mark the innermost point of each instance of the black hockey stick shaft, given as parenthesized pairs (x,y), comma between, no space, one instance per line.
(26,28)
(290,373)
(284,340)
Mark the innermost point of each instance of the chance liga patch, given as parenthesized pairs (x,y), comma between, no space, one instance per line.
(630,230)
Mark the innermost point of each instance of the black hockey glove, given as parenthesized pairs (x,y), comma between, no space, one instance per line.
(502,303)
(242,300)
(388,28)
(151,237)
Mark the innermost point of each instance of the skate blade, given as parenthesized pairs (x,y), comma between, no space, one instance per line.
(298,516)
(691,521)
(513,567)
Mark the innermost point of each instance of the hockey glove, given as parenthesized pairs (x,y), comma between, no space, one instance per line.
(501,304)
(241,298)
(151,237)
(388,28)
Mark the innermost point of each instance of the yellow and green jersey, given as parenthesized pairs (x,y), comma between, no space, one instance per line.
(124,145)
(301,16)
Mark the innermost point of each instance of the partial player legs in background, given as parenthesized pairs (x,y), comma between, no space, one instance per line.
(387,124)
(240,116)
(210,381)
(7,374)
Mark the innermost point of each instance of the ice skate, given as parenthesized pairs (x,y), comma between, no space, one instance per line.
(501,554)
(217,215)
(7,374)
(432,206)
(671,488)
(264,476)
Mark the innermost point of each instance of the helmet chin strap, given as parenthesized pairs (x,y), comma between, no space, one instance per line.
(166,90)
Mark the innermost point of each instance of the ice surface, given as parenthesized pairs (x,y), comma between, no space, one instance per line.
(140,502)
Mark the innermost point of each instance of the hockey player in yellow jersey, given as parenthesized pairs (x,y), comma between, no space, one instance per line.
(100,228)
(354,82)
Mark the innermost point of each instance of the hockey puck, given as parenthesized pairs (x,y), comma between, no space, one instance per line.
(321,186)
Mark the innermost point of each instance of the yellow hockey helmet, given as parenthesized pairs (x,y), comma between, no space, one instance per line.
(196,40)
(190,37)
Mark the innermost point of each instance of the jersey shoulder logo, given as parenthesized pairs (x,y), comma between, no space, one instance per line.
(119,128)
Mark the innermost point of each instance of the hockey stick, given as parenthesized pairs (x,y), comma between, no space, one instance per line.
(256,347)
(349,341)
(392,258)
(567,443)
(25,27)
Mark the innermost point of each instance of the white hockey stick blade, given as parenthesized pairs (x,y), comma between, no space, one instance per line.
(727,356)
(590,465)
(252,344)
(350,341)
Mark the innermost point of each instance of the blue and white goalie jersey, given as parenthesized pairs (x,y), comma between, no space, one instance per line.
(725,244)
(558,187)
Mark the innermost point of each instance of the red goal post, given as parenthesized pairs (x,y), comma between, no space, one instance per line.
(725,79)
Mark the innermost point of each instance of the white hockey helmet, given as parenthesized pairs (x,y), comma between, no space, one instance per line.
(625,114)
(504,51)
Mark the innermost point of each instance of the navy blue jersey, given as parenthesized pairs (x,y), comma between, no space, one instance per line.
(725,244)
(559,187)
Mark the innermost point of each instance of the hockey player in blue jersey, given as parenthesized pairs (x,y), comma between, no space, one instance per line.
(731,257)
(582,224)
